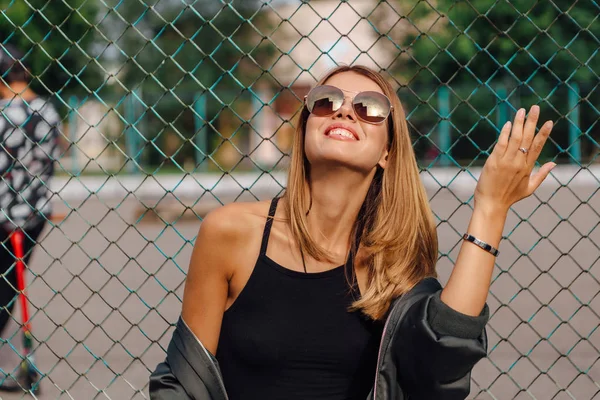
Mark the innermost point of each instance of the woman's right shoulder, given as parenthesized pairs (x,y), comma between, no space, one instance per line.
(229,236)
(235,222)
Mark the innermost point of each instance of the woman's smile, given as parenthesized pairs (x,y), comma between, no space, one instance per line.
(341,132)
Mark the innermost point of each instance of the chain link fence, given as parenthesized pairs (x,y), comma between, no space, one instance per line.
(169,108)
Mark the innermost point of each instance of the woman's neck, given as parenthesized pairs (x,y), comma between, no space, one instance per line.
(336,197)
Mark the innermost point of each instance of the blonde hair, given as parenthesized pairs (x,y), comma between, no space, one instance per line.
(395,224)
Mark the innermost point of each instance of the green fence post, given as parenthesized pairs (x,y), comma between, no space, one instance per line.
(502,115)
(255,139)
(131,136)
(574,128)
(444,129)
(73,106)
(140,125)
(200,138)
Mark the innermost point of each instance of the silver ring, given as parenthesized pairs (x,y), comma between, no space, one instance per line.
(523,150)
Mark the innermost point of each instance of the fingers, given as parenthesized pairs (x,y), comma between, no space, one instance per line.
(536,180)
(517,134)
(530,125)
(523,135)
(538,142)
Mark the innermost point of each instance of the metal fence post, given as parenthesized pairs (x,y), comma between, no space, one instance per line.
(200,136)
(444,128)
(502,114)
(73,116)
(132,139)
(574,125)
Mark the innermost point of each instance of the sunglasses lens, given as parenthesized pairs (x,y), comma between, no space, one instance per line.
(324,100)
(371,107)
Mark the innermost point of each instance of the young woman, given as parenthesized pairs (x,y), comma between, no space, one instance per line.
(291,295)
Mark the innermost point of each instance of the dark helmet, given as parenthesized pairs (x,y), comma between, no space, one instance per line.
(12,64)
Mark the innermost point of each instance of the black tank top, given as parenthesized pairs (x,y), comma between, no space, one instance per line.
(289,335)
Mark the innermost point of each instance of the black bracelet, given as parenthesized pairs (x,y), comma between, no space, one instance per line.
(493,251)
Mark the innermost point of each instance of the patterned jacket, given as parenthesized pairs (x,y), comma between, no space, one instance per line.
(28,148)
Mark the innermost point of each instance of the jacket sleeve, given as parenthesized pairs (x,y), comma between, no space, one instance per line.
(164,385)
(436,348)
(189,372)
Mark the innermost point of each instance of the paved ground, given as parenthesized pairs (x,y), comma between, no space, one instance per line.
(108,284)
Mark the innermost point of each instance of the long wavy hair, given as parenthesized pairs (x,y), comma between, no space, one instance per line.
(395,226)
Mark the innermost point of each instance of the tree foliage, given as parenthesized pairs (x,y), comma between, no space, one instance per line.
(58,39)
(490,51)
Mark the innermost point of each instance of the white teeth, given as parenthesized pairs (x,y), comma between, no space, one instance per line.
(341,132)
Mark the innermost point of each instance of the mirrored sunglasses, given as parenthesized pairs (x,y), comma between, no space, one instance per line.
(369,106)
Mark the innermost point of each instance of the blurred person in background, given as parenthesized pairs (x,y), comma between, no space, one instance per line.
(330,291)
(28,147)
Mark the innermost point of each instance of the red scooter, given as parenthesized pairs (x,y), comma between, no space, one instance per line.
(27,379)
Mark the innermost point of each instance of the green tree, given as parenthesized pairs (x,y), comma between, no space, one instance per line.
(57,37)
(528,52)
(169,53)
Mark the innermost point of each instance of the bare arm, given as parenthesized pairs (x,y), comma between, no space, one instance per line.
(211,267)
(506,179)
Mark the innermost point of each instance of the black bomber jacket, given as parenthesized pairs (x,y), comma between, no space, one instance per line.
(427,352)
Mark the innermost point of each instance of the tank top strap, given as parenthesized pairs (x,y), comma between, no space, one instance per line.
(268,224)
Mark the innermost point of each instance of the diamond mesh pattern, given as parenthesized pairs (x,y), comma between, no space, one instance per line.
(170,108)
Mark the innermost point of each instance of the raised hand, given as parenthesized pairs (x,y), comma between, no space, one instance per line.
(506,177)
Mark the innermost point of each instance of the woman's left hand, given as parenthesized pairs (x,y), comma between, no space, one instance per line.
(506,176)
